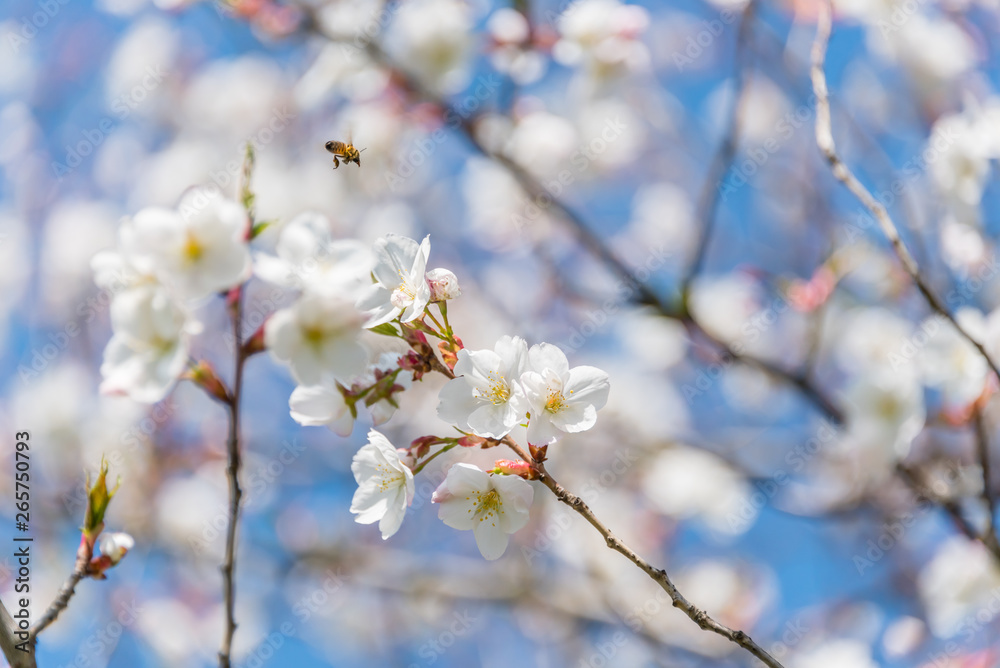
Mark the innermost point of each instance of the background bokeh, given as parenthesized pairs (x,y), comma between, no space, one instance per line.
(809,534)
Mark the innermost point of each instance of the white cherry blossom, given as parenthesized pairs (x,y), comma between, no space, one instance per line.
(197,250)
(150,345)
(317,336)
(492,505)
(309,259)
(443,284)
(400,288)
(487,398)
(385,485)
(322,405)
(560,398)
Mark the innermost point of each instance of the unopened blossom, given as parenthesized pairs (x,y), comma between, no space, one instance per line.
(199,249)
(443,284)
(486,398)
(400,289)
(309,259)
(493,506)
(150,345)
(385,485)
(317,336)
(322,405)
(114,545)
(561,399)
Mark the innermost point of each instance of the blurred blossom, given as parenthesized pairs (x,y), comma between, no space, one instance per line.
(317,336)
(604,36)
(933,51)
(951,363)
(235,98)
(510,52)
(199,249)
(724,304)
(150,346)
(961,164)
(957,584)
(962,246)
(662,214)
(903,636)
(342,69)
(542,142)
(835,654)
(432,40)
(886,412)
(74,232)
(322,405)
(492,505)
(684,482)
(309,259)
(385,485)
(873,339)
(146,53)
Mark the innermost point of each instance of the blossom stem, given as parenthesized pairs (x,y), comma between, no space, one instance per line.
(444,337)
(235,492)
(700,617)
(443,307)
(431,458)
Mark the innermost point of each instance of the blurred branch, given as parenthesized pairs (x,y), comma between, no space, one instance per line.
(699,617)
(983,452)
(709,202)
(825,141)
(233,475)
(916,483)
(8,643)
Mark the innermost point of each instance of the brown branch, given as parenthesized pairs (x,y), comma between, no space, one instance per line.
(599,249)
(235,493)
(81,569)
(983,452)
(709,201)
(699,617)
(913,479)
(824,139)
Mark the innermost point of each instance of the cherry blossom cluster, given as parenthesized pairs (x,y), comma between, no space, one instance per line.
(491,391)
(170,261)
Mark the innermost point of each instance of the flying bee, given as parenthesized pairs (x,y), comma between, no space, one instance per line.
(345,152)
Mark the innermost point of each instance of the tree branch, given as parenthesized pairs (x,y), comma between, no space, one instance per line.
(235,492)
(824,139)
(709,202)
(658,575)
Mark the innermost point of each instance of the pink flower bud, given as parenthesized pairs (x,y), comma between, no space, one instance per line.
(444,285)
(516,467)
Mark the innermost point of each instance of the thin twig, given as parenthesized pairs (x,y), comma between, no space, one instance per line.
(658,575)
(593,243)
(84,553)
(235,493)
(983,452)
(824,139)
(721,163)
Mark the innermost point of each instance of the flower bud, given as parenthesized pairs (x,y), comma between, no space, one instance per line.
(115,545)
(444,285)
(516,467)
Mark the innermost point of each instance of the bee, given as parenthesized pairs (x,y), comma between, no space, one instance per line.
(345,152)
